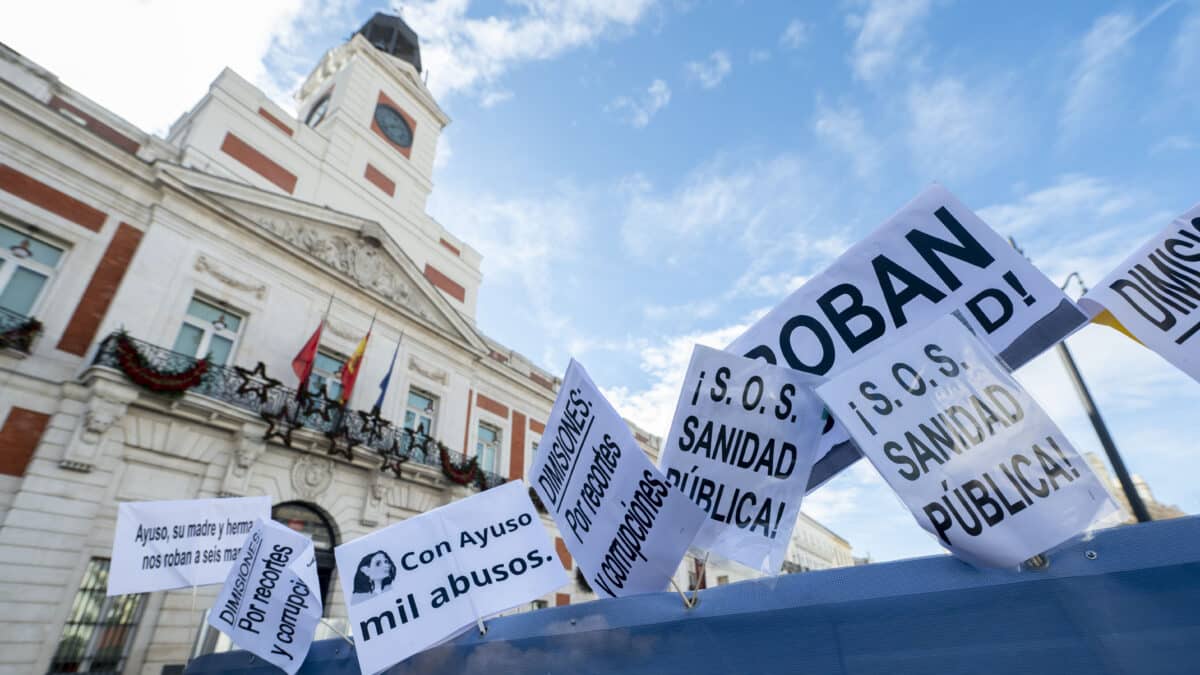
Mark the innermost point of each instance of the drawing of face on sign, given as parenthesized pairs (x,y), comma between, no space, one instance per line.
(374,575)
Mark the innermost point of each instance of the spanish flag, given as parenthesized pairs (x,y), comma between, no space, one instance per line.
(350,370)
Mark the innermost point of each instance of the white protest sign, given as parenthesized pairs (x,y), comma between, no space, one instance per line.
(627,528)
(418,582)
(973,456)
(175,544)
(932,257)
(741,446)
(271,602)
(1155,293)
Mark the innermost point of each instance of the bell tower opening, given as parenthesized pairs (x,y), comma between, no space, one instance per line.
(390,34)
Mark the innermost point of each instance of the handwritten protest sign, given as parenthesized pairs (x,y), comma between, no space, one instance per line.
(741,446)
(418,582)
(933,257)
(1155,293)
(973,456)
(271,602)
(627,528)
(175,544)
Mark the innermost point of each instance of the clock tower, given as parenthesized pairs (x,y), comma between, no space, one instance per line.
(363,143)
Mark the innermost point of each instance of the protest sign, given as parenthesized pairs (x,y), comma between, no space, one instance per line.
(932,257)
(627,528)
(741,446)
(418,582)
(271,602)
(175,544)
(1155,293)
(973,456)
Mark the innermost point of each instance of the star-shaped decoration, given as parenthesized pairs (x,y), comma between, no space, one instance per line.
(341,441)
(255,381)
(279,426)
(373,425)
(319,405)
(393,457)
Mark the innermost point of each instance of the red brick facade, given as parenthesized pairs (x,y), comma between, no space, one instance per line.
(259,163)
(491,405)
(92,307)
(279,124)
(563,554)
(96,126)
(437,278)
(379,180)
(516,458)
(38,193)
(19,438)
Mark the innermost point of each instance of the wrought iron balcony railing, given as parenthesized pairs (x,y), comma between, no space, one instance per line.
(285,411)
(18,331)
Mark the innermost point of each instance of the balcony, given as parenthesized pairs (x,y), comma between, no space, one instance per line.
(18,331)
(170,374)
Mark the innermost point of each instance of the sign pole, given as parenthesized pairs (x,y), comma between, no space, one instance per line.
(1089,405)
(1110,448)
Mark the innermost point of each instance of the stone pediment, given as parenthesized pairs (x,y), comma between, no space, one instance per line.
(356,249)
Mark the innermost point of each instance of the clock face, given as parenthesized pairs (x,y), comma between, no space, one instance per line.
(318,112)
(393,125)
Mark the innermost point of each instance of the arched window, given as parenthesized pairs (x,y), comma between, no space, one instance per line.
(311,520)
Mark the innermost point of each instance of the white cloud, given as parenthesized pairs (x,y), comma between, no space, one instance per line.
(843,129)
(640,110)
(469,54)
(795,35)
(711,71)
(494,97)
(1176,143)
(1099,56)
(1079,224)
(444,151)
(956,131)
(152,61)
(526,241)
(885,32)
(666,363)
(1184,65)
(1073,200)
(773,212)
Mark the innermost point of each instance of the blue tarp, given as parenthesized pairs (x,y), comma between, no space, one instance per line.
(1127,601)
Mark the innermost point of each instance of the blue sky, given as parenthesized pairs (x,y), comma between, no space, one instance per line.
(641,175)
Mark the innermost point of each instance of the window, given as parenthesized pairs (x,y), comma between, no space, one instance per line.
(487,447)
(99,631)
(722,579)
(208,330)
(420,412)
(327,375)
(307,519)
(26,264)
(540,604)
(318,112)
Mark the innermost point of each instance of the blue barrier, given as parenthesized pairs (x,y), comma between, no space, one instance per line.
(1127,601)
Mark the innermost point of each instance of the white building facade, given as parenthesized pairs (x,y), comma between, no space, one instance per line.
(153,293)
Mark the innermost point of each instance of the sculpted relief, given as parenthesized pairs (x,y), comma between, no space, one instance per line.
(369,266)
